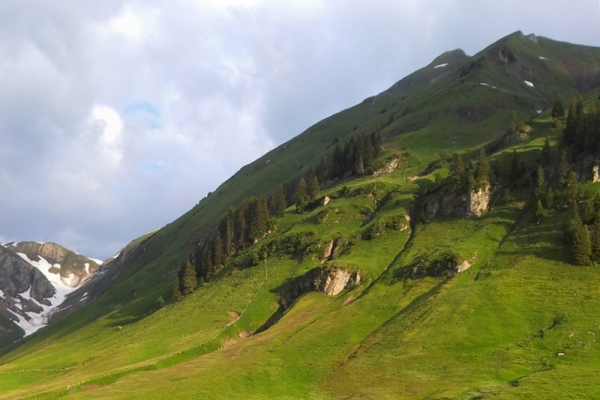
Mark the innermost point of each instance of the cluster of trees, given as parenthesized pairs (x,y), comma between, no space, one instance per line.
(354,157)
(237,229)
(583,128)
(584,233)
(473,178)
(306,194)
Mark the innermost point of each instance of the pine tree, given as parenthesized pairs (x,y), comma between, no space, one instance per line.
(314,190)
(279,203)
(558,110)
(189,278)
(539,187)
(539,211)
(301,195)
(546,153)
(177,290)
(582,245)
(258,217)
(572,189)
(483,170)
(217,250)
(589,215)
(574,117)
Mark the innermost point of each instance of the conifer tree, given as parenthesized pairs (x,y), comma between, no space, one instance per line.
(177,290)
(546,153)
(483,170)
(513,125)
(589,215)
(314,190)
(539,187)
(258,217)
(301,195)
(558,110)
(572,189)
(190,279)
(506,196)
(539,211)
(217,250)
(279,203)
(582,245)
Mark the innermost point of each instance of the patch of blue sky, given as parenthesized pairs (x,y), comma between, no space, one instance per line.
(145,110)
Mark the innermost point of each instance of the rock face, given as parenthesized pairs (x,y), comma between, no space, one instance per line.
(478,201)
(390,167)
(336,281)
(596,173)
(17,276)
(328,280)
(459,204)
(446,264)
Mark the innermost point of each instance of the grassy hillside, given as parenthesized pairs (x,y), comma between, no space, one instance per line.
(519,323)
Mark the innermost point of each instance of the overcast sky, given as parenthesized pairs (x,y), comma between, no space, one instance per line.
(116,117)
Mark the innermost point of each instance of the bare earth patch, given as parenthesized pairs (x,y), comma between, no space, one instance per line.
(349,300)
(87,388)
(234,315)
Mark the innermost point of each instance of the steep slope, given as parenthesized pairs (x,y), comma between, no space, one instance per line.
(405,323)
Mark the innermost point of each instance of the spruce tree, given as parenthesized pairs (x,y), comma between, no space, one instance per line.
(190,279)
(217,250)
(314,189)
(279,203)
(301,195)
(558,110)
(258,217)
(539,211)
(539,187)
(177,290)
(589,215)
(546,153)
(506,196)
(483,170)
(572,189)
(582,245)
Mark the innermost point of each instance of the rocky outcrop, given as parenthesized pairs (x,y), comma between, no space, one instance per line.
(478,201)
(388,168)
(596,173)
(446,264)
(328,280)
(17,276)
(458,203)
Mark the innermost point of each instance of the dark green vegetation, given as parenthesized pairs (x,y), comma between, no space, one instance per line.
(443,307)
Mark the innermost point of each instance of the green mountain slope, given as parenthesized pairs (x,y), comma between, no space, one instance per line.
(518,321)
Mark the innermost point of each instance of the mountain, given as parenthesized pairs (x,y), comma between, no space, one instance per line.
(435,262)
(35,279)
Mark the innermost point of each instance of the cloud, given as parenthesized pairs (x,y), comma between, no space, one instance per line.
(117,116)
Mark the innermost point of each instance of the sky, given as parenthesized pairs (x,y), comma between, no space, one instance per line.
(116,117)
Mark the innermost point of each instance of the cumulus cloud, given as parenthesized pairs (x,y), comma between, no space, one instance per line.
(117,116)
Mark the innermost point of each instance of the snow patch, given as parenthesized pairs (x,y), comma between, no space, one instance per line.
(99,262)
(63,289)
(488,85)
(543,58)
(529,83)
(539,111)
(440,66)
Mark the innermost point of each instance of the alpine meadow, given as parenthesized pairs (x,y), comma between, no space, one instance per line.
(439,240)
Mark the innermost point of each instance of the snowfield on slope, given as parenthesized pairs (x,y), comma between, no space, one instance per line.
(63,286)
